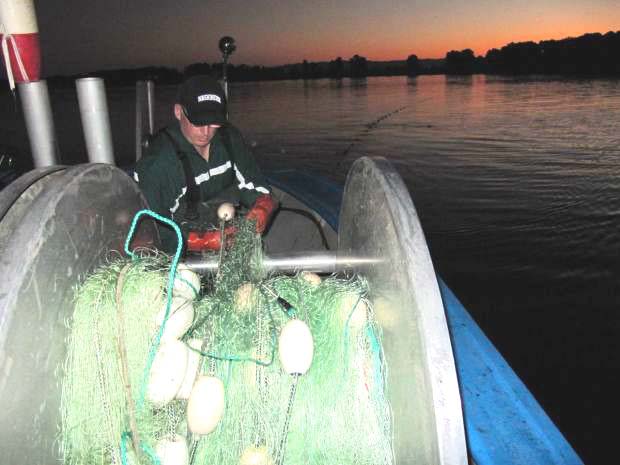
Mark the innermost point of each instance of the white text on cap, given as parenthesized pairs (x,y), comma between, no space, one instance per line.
(209,97)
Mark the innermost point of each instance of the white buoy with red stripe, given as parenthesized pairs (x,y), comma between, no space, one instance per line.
(19,33)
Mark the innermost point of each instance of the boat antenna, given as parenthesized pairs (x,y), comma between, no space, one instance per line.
(227,47)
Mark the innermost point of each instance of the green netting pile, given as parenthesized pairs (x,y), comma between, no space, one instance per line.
(137,355)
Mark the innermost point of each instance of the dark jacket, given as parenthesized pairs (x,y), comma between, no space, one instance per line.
(161,177)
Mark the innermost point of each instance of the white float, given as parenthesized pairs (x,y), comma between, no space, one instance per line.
(167,372)
(226,211)
(172,451)
(354,311)
(311,278)
(186,283)
(205,406)
(180,318)
(254,455)
(193,365)
(295,347)
(244,297)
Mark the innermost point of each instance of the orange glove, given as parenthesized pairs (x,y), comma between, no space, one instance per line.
(261,211)
(210,240)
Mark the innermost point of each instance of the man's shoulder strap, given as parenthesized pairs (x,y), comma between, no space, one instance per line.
(225,135)
(193,192)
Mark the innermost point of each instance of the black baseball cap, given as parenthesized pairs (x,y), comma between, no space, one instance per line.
(203,101)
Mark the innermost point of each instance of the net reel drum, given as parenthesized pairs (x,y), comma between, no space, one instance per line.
(58,224)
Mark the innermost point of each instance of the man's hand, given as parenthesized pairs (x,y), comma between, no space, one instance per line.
(210,240)
(261,212)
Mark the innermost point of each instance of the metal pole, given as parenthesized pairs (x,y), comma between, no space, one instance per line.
(145,103)
(227,47)
(225,76)
(139,109)
(39,122)
(150,103)
(319,262)
(95,120)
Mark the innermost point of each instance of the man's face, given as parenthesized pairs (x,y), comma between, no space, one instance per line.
(199,136)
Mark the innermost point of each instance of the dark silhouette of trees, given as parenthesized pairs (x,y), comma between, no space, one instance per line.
(519,58)
(463,62)
(413,65)
(336,68)
(197,68)
(590,54)
(358,66)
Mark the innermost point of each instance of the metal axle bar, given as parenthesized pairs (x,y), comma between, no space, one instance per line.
(318,262)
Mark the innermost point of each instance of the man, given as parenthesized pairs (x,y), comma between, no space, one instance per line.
(198,162)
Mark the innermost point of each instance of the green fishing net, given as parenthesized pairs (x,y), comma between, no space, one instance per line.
(135,355)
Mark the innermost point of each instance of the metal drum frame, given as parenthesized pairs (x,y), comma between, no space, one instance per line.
(378,221)
(62,225)
(59,226)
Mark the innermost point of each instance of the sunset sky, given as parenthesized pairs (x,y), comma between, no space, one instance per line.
(80,36)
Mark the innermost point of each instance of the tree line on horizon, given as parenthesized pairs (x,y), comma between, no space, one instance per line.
(591,54)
